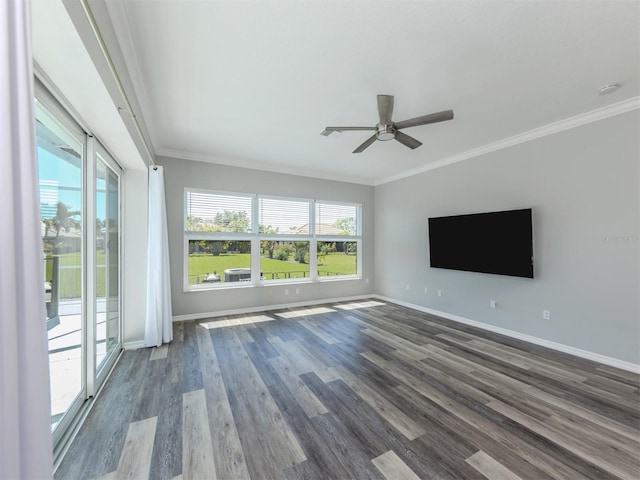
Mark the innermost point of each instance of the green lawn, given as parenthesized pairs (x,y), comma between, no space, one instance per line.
(332,264)
(200,265)
(71,275)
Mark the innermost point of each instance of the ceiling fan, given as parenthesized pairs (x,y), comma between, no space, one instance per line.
(389,130)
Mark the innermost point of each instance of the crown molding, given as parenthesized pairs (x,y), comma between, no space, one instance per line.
(560,126)
(239,163)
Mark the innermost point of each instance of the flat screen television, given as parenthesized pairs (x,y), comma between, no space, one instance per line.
(497,242)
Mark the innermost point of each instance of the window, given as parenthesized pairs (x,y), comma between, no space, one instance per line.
(234,240)
(284,260)
(218,250)
(212,212)
(284,216)
(336,219)
(335,224)
(219,261)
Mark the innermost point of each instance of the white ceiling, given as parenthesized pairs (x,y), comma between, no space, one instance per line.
(253,83)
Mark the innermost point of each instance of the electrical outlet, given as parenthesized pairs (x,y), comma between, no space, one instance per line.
(297,291)
(286,291)
(546,314)
(408,287)
(426,290)
(439,293)
(366,280)
(492,303)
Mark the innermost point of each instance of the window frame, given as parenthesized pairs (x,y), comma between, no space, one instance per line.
(256,238)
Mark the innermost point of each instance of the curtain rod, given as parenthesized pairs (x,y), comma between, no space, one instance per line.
(116,77)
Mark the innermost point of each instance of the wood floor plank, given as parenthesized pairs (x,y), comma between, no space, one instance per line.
(197,451)
(268,443)
(135,461)
(364,389)
(322,460)
(301,359)
(228,455)
(393,468)
(594,452)
(373,432)
(173,366)
(346,447)
(415,351)
(490,468)
(178,332)
(305,397)
(166,460)
(537,458)
(318,332)
(158,353)
(527,361)
(566,407)
(415,376)
(146,405)
(107,424)
(386,409)
(191,373)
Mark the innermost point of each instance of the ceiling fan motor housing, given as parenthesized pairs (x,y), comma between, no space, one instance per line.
(385,132)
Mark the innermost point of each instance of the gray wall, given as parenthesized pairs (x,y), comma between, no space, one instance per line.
(583,186)
(134,254)
(185,173)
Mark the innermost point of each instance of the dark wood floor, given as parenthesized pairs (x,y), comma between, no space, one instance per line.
(356,390)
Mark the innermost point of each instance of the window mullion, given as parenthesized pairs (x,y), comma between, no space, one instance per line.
(313,259)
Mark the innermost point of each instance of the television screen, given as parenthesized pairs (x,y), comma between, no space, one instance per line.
(495,242)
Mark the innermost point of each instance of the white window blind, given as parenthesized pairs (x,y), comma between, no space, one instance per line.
(212,212)
(336,219)
(285,217)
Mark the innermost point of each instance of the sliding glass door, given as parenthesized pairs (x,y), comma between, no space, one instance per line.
(61,154)
(79,186)
(107,243)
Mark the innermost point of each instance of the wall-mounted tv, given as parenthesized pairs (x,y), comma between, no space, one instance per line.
(497,242)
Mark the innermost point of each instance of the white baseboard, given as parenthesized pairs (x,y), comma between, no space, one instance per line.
(134,345)
(596,357)
(264,308)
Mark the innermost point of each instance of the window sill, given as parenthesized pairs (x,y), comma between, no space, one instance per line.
(272,283)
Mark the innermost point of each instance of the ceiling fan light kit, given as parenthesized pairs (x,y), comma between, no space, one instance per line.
(385,133)
(388,130)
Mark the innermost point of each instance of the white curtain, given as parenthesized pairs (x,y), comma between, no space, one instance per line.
(158,329)
(25,411)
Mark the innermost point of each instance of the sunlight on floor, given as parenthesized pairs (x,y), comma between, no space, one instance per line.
(234,322)
(356,305)
(303,312)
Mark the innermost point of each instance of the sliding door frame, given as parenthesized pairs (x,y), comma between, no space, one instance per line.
(60,111)
(111,357)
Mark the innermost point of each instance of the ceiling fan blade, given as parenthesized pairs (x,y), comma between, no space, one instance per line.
(426,119)
(408,141)
(329,130)
(367,142)
(385,108)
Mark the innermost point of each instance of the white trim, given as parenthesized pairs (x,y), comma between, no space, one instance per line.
(596,357)
(566,124)
(135,345)
(265,308)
